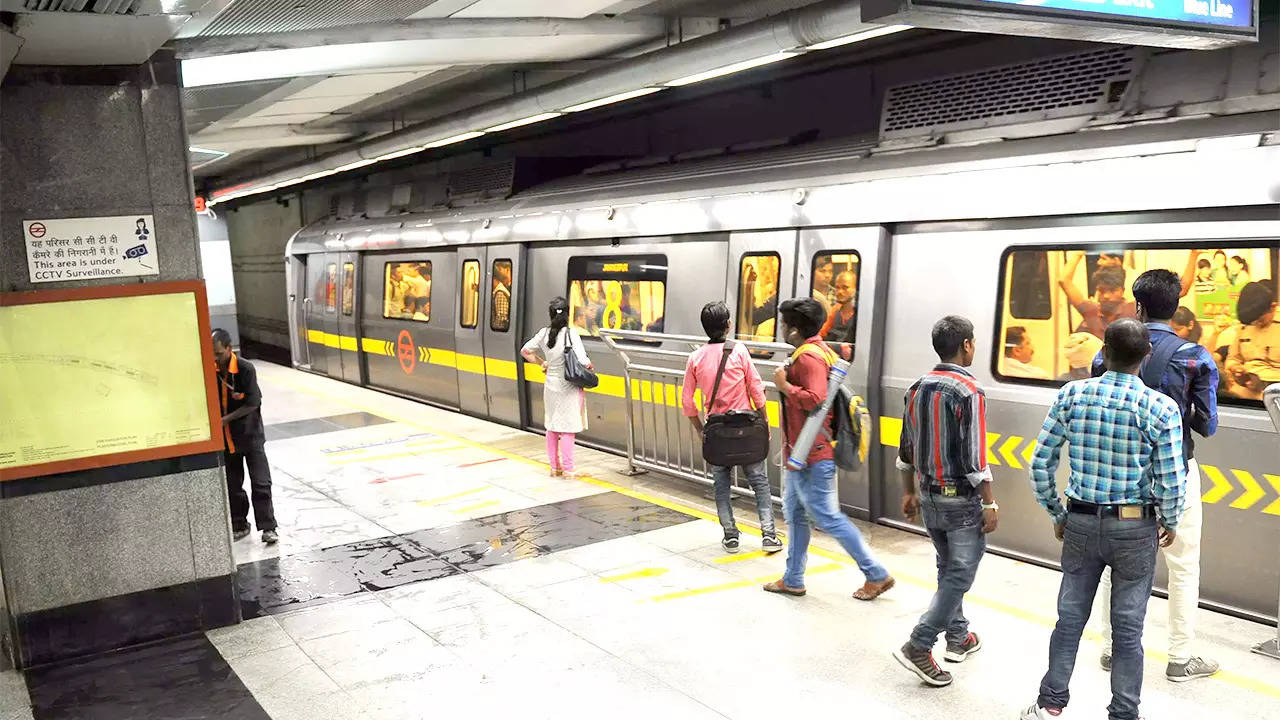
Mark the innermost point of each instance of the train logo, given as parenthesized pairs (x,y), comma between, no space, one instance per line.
(406,352)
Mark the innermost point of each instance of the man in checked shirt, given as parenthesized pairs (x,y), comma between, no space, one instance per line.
(1125,495)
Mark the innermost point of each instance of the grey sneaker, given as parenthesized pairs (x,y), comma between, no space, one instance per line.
(770,544)
(959,652)
(270,537)
(730,544)
(1105,661)
(920,662)
(240,534)
(1196,667)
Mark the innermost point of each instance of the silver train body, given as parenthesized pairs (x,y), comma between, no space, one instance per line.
(931,230)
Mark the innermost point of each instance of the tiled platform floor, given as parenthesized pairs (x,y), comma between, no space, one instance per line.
(428,567)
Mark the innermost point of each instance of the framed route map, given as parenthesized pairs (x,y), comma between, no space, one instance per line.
(94,377)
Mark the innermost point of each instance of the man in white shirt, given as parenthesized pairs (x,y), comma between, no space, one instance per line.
(1018,352)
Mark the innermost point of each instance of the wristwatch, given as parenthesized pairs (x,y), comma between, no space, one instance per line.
(992,506)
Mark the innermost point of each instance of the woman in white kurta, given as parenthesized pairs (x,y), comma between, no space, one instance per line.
(564,404)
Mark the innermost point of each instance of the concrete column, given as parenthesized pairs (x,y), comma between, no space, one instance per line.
(105,558)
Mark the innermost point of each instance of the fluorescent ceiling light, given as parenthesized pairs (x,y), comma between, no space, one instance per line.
(859,36)
(219,153)
(728,69)
(453,139)
(400,153)
(354,165)
(523,121)
(613,99)
(317,175)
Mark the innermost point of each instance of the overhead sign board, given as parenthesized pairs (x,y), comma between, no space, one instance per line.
(90,248)
(108,375)
(1192,24)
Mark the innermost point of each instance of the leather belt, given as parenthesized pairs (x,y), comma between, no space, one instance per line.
(964,489)
(1124,512)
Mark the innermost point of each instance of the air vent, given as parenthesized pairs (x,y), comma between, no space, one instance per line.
(277,16)
(1083,83)
(99,7)
(487,181)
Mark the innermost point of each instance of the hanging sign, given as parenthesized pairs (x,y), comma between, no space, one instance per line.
(90,248)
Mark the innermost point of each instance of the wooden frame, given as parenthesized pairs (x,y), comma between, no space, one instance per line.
(215,441)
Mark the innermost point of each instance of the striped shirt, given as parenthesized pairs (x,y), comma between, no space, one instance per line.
(1126,447)
(944,431)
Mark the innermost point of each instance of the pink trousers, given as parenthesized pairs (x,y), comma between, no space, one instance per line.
(560,450)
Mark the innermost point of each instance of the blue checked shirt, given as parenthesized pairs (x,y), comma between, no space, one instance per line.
(1126,447)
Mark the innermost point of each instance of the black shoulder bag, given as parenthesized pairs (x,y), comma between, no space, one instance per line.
(574,371)
(737,437)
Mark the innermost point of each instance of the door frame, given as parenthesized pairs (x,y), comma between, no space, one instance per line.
(469,342)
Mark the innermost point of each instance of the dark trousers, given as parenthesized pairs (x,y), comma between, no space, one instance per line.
(264,515)
(1089,545)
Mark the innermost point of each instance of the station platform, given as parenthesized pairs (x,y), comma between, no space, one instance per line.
(429,566)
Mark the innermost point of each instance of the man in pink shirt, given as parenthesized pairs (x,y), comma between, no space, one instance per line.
(740,389)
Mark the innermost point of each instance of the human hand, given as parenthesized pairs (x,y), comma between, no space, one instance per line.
(910,505)
(1165,536)
(990,521)
(1060,528)
(780,377)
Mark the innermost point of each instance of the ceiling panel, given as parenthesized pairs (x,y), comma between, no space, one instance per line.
(205,105)
(271,16)
(534,8)
(267,119)
(362,85)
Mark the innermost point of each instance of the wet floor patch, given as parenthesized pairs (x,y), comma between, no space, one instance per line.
(183,678)
(283,584)
(315,426)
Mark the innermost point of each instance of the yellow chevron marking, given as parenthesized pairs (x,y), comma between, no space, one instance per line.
(1007,449)
(1029,451)
(1273,508)
(645,573)
(1221,487)
(992,439)
(890,431)
(1253,491)
(424,355)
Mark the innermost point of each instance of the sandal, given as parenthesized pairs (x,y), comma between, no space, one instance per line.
(872,590)
(777,586)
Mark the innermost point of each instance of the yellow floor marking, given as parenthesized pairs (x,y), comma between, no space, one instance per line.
(737,584)
(1238,680)
(724,559)
(436,501)
(370,458)
(477,506)
(645,573)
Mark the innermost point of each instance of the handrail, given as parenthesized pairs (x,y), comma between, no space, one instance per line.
(1271,400)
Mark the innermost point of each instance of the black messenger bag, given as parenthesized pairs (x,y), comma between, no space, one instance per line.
(737,437)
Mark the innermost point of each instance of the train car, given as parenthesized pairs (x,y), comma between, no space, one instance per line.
(1024,236)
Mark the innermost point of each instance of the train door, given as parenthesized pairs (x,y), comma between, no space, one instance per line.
(347,316)
(316,307)
(468,337)
(838,268)
(502,334)
(330,345)
(762,265)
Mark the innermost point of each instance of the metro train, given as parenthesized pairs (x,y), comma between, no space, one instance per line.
(435,306)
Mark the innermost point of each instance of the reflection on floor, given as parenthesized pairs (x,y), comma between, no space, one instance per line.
(428,566)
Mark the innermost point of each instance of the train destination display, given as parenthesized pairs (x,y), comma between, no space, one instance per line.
(1232,13)
(100,376)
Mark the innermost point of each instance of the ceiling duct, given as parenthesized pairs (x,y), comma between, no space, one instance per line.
(100,7)
(763,40)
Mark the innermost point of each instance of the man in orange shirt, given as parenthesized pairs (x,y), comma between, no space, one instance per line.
(839,324)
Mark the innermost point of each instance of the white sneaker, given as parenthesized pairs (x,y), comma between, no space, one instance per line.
(1035,712)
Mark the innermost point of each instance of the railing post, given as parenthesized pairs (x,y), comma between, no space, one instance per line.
(1271,398)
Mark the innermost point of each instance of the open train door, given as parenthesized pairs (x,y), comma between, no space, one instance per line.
(840,267)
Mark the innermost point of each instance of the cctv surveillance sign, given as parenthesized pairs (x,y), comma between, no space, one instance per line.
(90,248)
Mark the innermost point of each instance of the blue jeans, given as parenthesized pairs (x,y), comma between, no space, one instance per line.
(955,526)
(811,493)
(1091,543)
(758,476)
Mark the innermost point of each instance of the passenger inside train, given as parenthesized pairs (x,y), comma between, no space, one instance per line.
(1044,330)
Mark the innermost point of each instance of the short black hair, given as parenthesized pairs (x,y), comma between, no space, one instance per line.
(1127,341)
(1183,317)
(1012,338)
(715,320)
(1256,300)
(804,314)
(949,335)
(1109,278)
(221,337)
(1158,291)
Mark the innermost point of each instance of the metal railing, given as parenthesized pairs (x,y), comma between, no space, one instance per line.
(659,437)
(1271,399)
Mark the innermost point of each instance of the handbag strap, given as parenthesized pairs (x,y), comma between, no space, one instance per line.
(715,389)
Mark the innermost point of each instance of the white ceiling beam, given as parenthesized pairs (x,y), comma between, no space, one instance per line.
(427,29)
(264,136)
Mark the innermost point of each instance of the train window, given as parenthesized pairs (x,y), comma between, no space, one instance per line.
(500,297)
(619,293)
(331,290)
(348,288)
(1030,294)
(1228,305)
(758,296)
(469,312)
(835,285)
(406,290)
